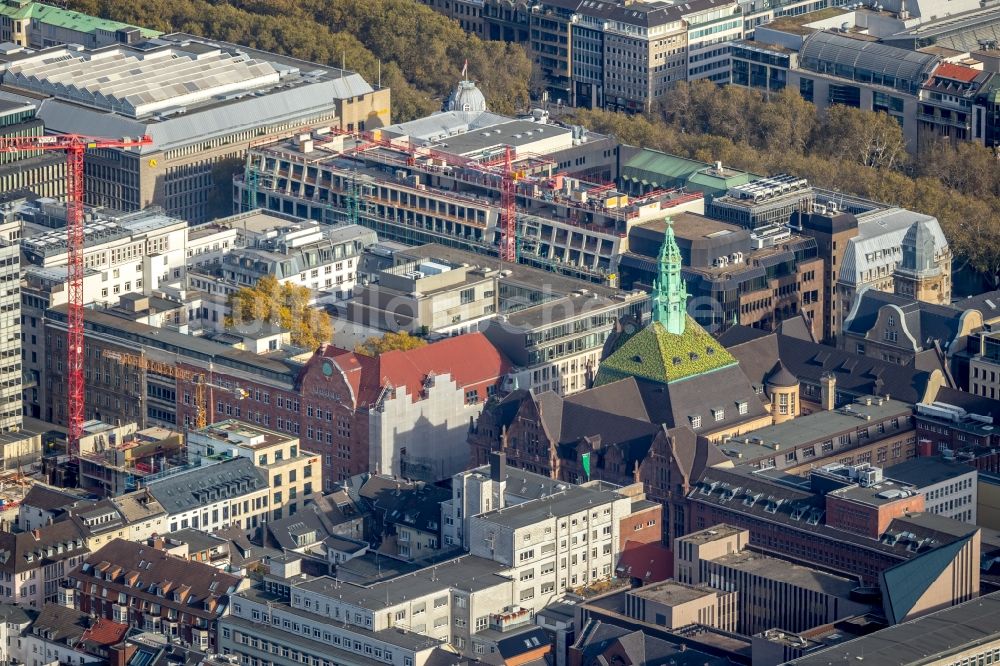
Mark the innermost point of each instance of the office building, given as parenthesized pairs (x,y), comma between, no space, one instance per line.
(755,278)
(296,252)
(147,89)
(209,498)
(853,524)
(430,180)
(763,202)
(872,248)
(403,413)
(769,593)
(964,632)
(11,410)
(135,252)
(984,367)
(899,329)
(949,487)
(42,173)
(292,473)
(551,327)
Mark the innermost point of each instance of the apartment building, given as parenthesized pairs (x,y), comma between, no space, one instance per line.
(150,590)
(291,473)
(34,564)
(231,492)
(269,95)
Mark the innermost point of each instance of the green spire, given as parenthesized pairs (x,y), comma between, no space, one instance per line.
(669,289)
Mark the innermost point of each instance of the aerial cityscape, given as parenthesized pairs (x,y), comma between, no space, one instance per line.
(501,332)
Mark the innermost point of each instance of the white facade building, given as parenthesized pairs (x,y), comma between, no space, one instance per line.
(949,487)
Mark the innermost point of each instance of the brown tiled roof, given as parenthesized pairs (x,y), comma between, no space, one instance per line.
(157,570)
(105,632)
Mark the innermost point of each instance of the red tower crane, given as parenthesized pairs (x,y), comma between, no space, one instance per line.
(74,145)
(508,209)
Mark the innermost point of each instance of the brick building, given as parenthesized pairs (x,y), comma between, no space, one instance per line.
(403,413)
(148,589)
(831,521)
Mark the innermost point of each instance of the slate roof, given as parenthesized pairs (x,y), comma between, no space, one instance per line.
(809,361)
(416,505)
(721,392)
(773,501)
(284,530)
(47,498)
(987,303)
(598,641)
(21,551)
(523,642)
(925,322)
(143,569)
(59,623)
(224,480)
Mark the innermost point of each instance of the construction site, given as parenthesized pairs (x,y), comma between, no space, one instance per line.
(489,186)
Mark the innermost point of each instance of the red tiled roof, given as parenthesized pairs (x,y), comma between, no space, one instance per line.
(651,562)
(468,359)
(947,70)
(105,632)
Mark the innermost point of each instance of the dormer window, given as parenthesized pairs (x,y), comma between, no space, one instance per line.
(695,421)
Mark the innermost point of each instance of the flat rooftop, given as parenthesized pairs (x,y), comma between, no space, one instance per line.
(798,25)
(573,499)
(884,492)
(240,433)
(672,593)
(927,471)
(692,225)
(780,570)
(712,534)
(810,428)
(468,572)
(928,639)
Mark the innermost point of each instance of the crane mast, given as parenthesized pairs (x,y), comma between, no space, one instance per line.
(74,145)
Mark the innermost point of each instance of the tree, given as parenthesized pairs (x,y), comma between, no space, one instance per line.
(285,305)
(401,341)
(871,139)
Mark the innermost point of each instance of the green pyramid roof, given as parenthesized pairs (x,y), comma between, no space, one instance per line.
(655,355)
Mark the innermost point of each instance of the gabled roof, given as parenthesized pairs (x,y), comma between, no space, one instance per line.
(59,623)
(47,498)
(809,361)
(468,360)
(104,633)
(24,551)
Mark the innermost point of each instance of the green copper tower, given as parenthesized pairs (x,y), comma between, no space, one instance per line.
(669,289)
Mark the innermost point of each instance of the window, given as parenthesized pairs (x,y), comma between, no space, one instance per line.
(526,555)
(695,421)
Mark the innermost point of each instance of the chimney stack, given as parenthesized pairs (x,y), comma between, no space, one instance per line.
(828,391)
(498,478)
